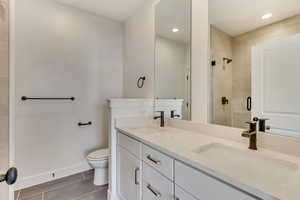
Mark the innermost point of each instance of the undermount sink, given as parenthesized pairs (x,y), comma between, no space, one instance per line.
(251,164)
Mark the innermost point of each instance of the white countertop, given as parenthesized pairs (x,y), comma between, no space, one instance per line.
(259,179)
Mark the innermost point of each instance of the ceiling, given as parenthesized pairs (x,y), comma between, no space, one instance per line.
(171,14)
(239,16)
(118,10)
(234,17)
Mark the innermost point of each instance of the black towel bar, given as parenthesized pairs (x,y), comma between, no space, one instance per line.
(24,98)
(84,124)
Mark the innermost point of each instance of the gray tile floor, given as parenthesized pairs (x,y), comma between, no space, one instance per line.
(76,187)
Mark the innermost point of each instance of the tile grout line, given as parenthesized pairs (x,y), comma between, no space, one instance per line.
(19,194)
(58,188)
(55,188)
(83,176)
(86,194)
(62,186)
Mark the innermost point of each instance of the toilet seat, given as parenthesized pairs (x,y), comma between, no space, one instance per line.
(101,154)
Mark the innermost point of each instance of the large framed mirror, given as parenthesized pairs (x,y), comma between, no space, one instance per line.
(172,58)
(255,64)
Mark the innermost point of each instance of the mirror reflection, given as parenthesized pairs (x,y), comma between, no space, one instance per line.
(255,54)
(172,58)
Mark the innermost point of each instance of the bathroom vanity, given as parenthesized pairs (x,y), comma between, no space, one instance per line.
(200,161)
(173,163)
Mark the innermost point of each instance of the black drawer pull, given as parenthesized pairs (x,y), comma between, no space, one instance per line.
(136,176)
(157,162)
(156,194)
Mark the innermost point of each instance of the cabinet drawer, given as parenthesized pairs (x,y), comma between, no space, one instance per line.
(159,161)
(156,186)
(203,186)
(130,144)
(180,194)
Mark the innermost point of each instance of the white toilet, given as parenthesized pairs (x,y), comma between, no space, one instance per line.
(99,161)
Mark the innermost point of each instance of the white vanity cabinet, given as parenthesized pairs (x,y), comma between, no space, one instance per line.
(145,173)
(129,168)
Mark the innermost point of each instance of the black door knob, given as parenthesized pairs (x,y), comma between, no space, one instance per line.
(10,177)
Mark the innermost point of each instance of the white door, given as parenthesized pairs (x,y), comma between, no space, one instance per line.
(4,98)
(5,178)
(276,84)
(128,175)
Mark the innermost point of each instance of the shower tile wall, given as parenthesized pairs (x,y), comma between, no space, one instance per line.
(3,94)
(221,46)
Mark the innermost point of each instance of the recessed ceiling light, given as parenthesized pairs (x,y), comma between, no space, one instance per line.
(175,30)
(267,16)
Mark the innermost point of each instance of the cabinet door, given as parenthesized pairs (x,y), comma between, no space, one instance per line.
(128,173)
(180,194)
(131,145)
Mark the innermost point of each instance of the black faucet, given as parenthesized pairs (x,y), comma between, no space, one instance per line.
(161,117)
(252,135)
(173,115)
(262,124)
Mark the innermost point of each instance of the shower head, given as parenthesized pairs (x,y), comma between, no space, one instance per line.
(227,60)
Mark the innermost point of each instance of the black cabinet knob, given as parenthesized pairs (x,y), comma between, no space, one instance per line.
(10,177)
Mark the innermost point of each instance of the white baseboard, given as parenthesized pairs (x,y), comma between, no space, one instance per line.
(47,176)
(108,195)
(111,196)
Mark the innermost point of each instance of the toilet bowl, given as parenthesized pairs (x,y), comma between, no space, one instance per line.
(99,161)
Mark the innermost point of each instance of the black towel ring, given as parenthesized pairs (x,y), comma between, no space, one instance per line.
(141,81)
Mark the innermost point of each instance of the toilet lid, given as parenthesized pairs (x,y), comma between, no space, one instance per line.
(99,154)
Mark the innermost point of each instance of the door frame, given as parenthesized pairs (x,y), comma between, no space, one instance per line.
(12,98)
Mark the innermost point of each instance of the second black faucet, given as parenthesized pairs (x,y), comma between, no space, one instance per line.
(161,117)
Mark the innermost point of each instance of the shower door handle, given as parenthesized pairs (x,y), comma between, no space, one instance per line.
(249,103)
(10,177)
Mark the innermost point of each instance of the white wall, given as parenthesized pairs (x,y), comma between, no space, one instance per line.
(61,51)
(139,56)
(201,99)
(171,68)
(139,51)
